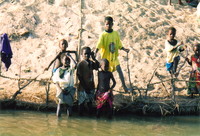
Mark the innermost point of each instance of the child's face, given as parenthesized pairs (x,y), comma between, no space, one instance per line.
(63,45)
(108,25)
(171,34)
(104,66)
(86,54)
(66,61)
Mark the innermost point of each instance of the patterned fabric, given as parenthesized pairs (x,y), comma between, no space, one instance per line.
(194,76)
(85,97)
(102,98)
(108,45)
(66,96)
(65,90)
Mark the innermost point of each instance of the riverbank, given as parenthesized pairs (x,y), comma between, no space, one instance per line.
(35,27)
(145,107)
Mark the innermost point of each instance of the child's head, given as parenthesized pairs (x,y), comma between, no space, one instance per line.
(196,48)
(171,33)
(86,52)
(66,61)
(104,63)
(108,23)
(63,44)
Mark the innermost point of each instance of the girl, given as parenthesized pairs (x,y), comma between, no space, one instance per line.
(104,96)
(63,77)
(194,86)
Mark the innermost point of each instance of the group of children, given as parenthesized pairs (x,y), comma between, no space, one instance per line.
(63,74)
(173,49)
(108,45)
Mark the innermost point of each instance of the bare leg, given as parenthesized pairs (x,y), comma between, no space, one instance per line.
(69,110)
(121,76)
(58,113)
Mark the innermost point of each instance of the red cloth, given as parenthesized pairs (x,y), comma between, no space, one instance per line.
(102,98)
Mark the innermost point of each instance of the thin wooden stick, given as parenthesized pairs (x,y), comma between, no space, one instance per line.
(150,81)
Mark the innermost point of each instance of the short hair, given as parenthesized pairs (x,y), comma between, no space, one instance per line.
(85,48)
(63,41)
(104,61)
(172,29)
(109,18)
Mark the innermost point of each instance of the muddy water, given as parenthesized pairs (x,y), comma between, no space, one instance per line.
(28,123)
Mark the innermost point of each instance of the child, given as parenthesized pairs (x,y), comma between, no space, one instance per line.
(109,43)
(173,48)
(63,46)
(86,79)
(63,77)
(194,61)
(104,96)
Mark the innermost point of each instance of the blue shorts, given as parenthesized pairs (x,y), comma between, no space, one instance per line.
(169,66)
(54,70)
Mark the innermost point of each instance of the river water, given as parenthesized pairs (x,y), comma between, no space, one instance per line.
(29,123)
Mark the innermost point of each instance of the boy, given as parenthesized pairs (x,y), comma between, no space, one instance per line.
(64,80)
(109,43)
(86,79)
(173,48)
(104,96)
(194,61)
(63,44)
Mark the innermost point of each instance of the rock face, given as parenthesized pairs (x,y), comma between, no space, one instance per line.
(36,26)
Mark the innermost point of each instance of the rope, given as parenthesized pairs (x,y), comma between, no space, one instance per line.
(26,79)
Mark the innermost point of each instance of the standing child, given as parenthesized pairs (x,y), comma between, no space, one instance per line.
(85,75)
(194,61)
(104,96)
(173,48)
(64,79)
(63,44)
(109,44)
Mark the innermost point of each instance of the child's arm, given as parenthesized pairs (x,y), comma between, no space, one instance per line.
(72,60)
(188,61)
(96,63)
(125,49)
(113,80)
(53,61)
(75,52)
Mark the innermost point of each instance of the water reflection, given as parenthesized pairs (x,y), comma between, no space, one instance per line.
(21,123)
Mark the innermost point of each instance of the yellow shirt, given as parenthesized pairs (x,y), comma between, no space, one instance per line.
(171,52)
(108,45)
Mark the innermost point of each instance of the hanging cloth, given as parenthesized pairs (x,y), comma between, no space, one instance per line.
(6,52)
